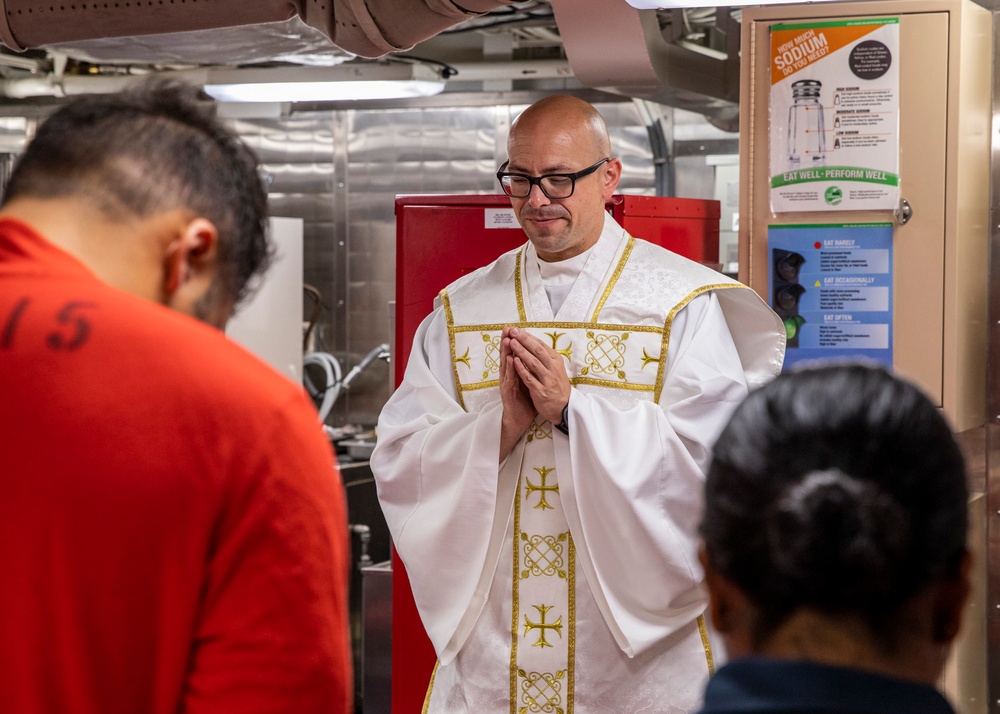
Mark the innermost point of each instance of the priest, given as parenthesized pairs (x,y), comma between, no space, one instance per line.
(541,465)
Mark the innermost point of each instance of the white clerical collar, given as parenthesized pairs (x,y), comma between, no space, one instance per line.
(559,277)
(563,272)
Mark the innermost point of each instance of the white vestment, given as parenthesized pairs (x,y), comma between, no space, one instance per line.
(566,578)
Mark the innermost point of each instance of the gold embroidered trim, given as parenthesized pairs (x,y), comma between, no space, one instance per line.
(538,431)
(614,278)
(450,318)
(670,321)
(547,695)
(606,354)
(703,629)
(609,327)
(575,381)
(571,626)
(491,355)
(515,613)
(518,290)
(479,385)
(514,608)
(430,686)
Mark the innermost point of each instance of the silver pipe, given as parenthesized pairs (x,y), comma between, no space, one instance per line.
(379,352)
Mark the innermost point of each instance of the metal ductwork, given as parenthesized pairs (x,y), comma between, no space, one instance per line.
(292,41)
(370,28)
(616,48)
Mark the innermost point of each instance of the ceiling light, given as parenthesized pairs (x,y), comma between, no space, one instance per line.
(673,5)
(342,83)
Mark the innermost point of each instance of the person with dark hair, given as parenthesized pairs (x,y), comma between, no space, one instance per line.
(139,154)
(835,552)
(172,527)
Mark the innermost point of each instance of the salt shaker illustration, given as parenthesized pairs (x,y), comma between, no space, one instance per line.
(806,136)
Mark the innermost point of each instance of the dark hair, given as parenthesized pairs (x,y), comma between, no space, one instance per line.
(153,148)
(838,488)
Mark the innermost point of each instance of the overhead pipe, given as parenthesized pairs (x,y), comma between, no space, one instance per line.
(56,85)
(53,85)
(519,69)
(370,28)
(636,60)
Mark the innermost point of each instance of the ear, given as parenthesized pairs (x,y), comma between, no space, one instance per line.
(731,612)
(720,593)
(612,175)
(949,605)
(190,251)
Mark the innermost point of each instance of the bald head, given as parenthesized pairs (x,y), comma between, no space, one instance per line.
(562,114)
(562,136)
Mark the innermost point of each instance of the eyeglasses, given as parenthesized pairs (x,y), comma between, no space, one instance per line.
(552,185)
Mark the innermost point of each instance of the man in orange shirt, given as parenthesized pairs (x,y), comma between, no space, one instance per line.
(172,524)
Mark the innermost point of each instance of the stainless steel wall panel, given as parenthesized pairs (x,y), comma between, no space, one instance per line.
(630,143)
(14,133)
(301,139)
(423,177)
(311,207)
(400,136)
(638,175)
(308,178)
(390,153)
(297,157)
(693,180)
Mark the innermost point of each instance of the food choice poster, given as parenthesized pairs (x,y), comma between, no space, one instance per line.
(831,285)
(834,115)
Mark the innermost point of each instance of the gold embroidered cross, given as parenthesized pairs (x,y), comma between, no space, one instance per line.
(554,336)
(543,626)
(648,359)
(542,503)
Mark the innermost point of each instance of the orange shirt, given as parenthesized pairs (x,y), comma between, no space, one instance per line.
(172,524)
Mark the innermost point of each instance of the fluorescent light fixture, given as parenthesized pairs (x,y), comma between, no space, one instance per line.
(307,84)
(676,4)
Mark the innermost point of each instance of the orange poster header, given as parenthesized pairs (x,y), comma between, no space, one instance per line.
(795,47)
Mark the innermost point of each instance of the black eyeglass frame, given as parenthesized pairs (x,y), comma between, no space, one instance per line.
(537,180)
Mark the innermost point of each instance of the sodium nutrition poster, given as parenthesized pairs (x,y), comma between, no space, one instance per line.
(834,125)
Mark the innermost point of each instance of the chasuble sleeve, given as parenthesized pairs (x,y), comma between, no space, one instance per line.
(634,496)
(440,489)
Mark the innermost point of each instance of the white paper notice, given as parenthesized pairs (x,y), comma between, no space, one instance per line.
(501,218)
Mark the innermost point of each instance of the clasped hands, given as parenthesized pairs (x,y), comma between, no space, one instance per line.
(533,381)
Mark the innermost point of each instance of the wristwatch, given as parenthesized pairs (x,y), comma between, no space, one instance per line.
(563,425)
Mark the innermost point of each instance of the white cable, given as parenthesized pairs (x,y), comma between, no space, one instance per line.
(331,388)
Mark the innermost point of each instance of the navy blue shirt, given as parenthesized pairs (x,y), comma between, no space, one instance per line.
(757,685)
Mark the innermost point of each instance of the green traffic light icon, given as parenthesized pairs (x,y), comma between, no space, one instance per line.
(792,325)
